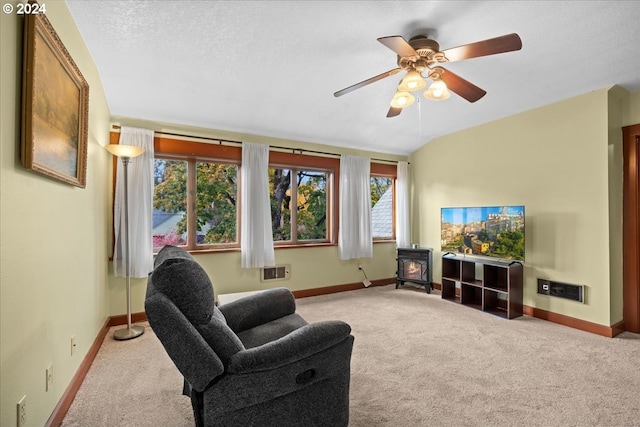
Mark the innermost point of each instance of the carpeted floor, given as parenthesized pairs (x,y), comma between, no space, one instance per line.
(417,361)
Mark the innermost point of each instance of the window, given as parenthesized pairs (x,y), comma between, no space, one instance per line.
(196,196)
(212,191)
(299,204)
(169,203)
(382,224)
(216,202)
(383,200)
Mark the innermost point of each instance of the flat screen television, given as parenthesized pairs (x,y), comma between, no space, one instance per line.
(490,231)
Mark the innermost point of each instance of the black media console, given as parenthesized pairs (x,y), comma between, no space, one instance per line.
(489,285)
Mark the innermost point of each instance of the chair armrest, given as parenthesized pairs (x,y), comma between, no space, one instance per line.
(299,344)
(258,309)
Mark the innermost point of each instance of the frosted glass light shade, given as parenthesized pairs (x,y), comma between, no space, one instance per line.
(120,150)
(412,81)
(402,99)
(437,91)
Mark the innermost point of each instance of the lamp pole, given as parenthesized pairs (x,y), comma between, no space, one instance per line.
(126,153)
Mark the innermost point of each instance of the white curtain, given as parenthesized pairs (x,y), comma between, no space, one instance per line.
(140,179)
(256,242)
(403,224)
(354,237)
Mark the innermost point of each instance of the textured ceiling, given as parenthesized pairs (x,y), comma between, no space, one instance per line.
(271,67)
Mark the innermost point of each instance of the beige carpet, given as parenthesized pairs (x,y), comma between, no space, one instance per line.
(417,361)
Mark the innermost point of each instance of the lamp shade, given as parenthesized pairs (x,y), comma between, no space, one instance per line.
(412,81)
(402,99)
(437,91)
(120,150)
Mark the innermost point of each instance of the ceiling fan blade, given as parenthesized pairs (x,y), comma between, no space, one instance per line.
(393,111)
(502,44)
(462,87)
(399,46)
(366,82)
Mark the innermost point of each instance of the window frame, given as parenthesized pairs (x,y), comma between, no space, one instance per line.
(387,171)
(295,241)
(192,191)
(329,165)
(193,152)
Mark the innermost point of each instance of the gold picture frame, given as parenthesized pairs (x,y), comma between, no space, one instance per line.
(55,106)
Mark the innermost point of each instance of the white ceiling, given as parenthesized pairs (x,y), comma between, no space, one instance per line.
(271,67)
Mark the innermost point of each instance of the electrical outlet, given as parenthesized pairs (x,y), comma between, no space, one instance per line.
(49,377)
(22,411)
(73,345)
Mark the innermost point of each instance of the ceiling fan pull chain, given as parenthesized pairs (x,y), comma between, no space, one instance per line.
(419,119)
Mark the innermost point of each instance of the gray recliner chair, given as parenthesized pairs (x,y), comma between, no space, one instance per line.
(251,362)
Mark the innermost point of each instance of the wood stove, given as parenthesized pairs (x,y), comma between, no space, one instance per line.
(415,265)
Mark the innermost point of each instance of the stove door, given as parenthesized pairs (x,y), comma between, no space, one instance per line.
(412,269)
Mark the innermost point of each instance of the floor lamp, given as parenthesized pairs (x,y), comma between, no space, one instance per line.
(126,152)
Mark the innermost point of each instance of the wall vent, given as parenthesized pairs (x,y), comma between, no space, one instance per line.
(279,272)
(562,290)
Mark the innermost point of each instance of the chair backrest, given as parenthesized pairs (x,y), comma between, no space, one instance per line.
(181,310)
(170,252)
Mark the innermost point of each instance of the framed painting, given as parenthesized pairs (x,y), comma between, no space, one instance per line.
(55,106)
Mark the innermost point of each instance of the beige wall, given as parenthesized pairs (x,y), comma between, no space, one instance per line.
(618,107)
(562,162)
(53,263)
(310,267)
(632,114)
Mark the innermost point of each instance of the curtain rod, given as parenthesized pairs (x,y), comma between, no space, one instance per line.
(229,141)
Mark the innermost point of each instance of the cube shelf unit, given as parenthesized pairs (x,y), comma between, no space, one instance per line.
(489,285)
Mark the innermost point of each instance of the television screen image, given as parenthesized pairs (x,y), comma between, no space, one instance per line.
(491,231)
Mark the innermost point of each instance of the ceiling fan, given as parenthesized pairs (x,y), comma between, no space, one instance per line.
(420,57)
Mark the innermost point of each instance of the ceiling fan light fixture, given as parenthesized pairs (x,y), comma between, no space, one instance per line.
(437,91)
(402,99)
(412,81)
